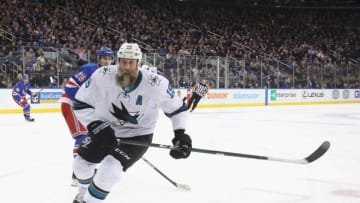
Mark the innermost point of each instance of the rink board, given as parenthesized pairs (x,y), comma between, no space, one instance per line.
(47,100)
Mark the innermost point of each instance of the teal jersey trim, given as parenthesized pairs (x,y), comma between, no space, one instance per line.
(137,83)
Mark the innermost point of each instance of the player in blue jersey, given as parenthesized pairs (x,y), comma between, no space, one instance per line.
(77,130)
(19,92)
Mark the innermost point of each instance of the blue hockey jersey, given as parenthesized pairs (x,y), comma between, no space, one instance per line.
(21,89)
(77,79)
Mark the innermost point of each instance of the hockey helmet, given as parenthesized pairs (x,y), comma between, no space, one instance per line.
(105,51)
(130,51)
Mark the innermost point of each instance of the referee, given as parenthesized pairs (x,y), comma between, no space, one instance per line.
(198,91)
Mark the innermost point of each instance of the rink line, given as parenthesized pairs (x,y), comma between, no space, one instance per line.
(204,106)
(276,104)
(33,110)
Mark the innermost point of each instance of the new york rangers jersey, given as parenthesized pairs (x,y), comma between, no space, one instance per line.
(21,89)
(131,112)
(76,80)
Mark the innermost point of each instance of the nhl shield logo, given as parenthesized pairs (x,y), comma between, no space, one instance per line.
(35,98)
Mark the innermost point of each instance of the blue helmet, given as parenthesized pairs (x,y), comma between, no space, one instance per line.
(105,51)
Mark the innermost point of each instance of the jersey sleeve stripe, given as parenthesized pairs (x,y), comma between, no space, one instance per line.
(179,110)
(78,105)
(72,83)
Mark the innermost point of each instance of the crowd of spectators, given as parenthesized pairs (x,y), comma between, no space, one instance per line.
(261,46)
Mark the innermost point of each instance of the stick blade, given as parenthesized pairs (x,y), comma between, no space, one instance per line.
(321,150)
(184,187)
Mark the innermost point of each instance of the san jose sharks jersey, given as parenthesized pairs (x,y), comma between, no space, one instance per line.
(131,112)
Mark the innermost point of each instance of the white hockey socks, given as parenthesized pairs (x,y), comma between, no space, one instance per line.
(108,174)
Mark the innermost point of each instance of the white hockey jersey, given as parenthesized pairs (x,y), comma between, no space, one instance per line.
(133,112)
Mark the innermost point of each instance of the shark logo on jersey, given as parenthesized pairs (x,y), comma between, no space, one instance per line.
(154,80)
(124,116)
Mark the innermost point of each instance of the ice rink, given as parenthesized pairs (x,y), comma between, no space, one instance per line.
(36,158)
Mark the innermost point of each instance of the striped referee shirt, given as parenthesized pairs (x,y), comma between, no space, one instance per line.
(201,89)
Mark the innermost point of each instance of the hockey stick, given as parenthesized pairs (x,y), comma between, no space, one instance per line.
(321,150)
(178,185)
(28,97)
(38,92)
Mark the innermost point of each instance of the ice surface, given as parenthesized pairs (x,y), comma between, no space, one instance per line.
(36,158)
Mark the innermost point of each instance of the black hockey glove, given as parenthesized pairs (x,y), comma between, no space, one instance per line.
(182,145)
(100,130)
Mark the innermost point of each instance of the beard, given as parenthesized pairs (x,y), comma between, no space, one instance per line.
(125,80)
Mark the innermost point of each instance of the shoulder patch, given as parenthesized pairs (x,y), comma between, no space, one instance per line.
(154,80)
(81,76)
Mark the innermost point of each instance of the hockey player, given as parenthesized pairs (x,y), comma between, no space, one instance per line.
(19,92)
(199,90)
(77,130)
(120,102)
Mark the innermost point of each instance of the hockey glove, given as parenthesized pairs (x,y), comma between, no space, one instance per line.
(182,145)
(23,101)
(78,141)
(101,132)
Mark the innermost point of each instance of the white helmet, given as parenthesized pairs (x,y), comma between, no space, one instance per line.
(130,51)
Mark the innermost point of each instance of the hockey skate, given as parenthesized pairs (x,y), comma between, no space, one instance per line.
(75,201)
(80,196)
(74,182)
(29,119)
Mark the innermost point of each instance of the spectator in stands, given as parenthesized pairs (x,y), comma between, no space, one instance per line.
(2,83)
(63,83)
(53,82)
(272,35)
